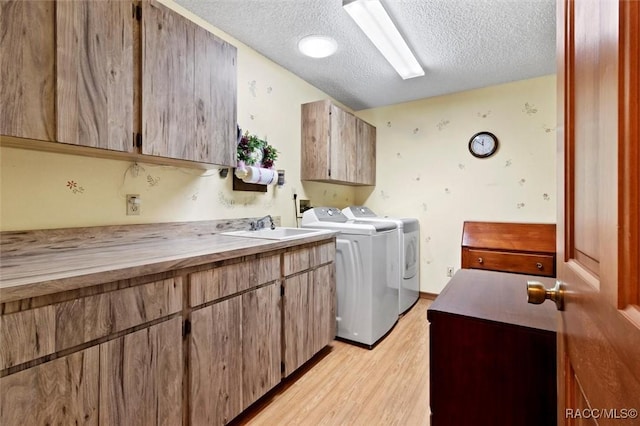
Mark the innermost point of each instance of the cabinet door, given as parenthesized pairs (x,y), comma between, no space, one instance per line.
(63,391)
(215,88)
(315,119)
(27,69)
(366,153)
(215,362)
(168,112)
(94,60)
(343,145)
(298,306)
(141,377)
(188,90)
(261,342)
(324,307)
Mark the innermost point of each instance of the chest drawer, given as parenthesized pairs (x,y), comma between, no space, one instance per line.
(524,263)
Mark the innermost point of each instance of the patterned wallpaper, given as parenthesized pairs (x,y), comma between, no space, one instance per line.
(425,170)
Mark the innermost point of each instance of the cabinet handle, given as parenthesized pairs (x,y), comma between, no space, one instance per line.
(539,266)
(480,260)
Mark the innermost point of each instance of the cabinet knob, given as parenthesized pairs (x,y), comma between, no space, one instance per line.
(480,260)
(539,266)
(536,293)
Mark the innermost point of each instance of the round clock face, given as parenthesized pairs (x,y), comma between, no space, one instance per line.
(483,144)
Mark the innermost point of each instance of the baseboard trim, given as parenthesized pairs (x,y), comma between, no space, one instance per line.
(430,296)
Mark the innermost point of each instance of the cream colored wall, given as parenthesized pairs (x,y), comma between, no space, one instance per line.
(424,168)
(45,190)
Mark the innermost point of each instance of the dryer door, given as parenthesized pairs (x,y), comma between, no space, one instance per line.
(411,255)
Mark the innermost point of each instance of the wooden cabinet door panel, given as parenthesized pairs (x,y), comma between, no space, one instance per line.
(324,307)
(141,377)
(63,391)
(343,145)
(297,319)
(27,69)
(168,112)
(215,87)
(366,153)
(261,342)
(215,363)
(94,60)
(315,140)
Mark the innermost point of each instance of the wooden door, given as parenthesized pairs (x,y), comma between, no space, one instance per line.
(342,163)
(215,363)
(598,224)
(261,342)
(297,305)
(27,69)
(94,60)
(141,377)
(366,153)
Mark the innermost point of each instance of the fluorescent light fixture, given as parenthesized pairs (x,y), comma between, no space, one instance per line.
(317,46)
(376,24)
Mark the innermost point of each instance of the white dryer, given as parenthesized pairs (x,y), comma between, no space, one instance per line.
(408,253)
(366,274)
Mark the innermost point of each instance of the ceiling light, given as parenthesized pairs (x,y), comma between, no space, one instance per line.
(317,46)
(376,24)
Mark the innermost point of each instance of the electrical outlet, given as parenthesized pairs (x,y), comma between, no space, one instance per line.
(304,205)
(133,204)
(449,271)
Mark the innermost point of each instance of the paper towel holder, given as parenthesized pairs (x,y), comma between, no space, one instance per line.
(240,185)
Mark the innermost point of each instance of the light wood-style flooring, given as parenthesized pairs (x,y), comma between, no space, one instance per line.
(349,385)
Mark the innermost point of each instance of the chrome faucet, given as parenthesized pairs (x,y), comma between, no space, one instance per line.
(259,224)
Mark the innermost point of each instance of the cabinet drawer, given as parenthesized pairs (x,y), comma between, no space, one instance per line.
(225,280)
(324,253)
(31,334)
(297,261)
(524,263)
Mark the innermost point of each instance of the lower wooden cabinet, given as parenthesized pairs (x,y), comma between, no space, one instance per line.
(73,380)
(309,314)
(324,306)
(133,379)
(234,354)
(215,361)
(141,377)
(126,353)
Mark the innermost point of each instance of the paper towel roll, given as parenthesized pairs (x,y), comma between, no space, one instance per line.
(260,175)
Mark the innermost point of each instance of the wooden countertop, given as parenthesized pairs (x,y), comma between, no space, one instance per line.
(495,296)
(35,269)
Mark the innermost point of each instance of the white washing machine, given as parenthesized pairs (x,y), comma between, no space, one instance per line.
(366,274)
(409,252)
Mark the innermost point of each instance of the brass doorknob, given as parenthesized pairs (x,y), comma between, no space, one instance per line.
(536,293)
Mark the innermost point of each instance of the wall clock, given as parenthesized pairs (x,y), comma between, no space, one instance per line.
(483,144)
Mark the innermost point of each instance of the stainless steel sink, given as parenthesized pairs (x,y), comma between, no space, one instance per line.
(281,233)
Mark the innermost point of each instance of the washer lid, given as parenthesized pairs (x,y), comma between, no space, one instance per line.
(355,212)
(378,226)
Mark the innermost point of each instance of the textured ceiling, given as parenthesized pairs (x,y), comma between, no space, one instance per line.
(461,44)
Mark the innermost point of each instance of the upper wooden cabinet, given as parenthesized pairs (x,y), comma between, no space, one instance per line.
(69,69)
(88,73)
(27,69)
(336,146)
(188,90)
